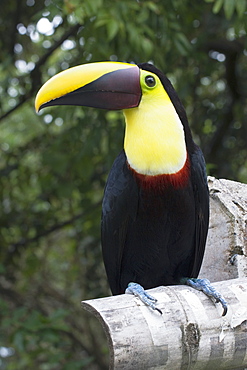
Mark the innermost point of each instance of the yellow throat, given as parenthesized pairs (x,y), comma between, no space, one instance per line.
(154,140)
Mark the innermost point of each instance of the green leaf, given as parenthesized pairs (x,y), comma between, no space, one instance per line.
(112,28)
(240,7)
(182,43)
(153,7)
(217,6)
(229,6)
(93,6)
(147,46)
(18,341)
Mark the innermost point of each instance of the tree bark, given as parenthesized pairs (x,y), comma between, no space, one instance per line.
(190,334)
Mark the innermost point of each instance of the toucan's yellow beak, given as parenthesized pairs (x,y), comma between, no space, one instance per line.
(107,85)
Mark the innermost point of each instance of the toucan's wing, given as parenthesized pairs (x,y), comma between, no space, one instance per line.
(201,196)
(119,208)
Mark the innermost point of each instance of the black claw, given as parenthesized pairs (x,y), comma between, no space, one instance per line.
(224,305)
(157,309)
(224,311)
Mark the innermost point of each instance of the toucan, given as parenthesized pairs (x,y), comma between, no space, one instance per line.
(155,209)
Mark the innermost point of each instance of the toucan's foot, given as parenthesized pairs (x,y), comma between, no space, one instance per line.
(138,291)
(205,286)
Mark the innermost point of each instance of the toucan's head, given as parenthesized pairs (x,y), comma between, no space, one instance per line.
(156,123)
(106,85)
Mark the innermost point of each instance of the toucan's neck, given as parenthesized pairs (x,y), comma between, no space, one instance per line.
(160,183)
(154,139)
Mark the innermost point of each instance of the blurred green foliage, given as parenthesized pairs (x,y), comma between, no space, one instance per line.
(54,165)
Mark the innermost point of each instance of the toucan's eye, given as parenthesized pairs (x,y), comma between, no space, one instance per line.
(150,81)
